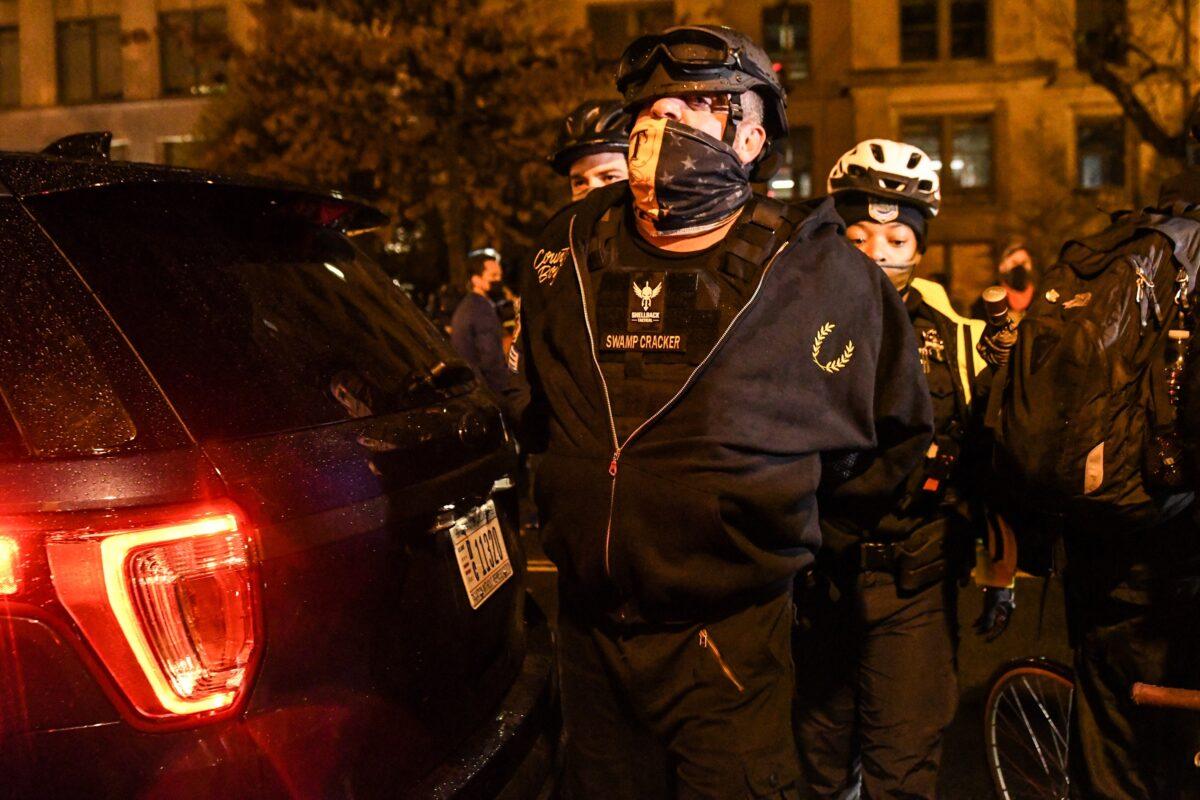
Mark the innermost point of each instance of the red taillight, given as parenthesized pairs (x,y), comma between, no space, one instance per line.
(10,566)
(170,606)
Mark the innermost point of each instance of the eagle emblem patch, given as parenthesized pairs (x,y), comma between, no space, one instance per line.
(646,294)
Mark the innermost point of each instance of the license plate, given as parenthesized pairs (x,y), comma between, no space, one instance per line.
(482,556)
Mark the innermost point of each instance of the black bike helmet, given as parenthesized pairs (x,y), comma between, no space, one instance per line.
(693,59)
(595,126)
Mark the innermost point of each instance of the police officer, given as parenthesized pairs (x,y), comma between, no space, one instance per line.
(591,146)
(681,435)
(475,329)
(876,649)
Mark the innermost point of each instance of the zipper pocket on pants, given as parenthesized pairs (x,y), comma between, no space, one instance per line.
(707,643)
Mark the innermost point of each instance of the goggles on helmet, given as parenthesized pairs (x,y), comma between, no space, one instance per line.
(685,47)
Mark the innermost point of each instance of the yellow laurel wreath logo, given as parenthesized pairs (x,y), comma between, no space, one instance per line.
(839,363)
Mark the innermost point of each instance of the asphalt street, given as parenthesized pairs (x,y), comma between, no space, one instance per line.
(1038,628)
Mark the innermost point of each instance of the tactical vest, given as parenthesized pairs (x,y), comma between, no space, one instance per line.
(655,327)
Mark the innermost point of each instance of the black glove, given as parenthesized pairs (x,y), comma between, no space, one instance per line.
(998,607)
(996,344)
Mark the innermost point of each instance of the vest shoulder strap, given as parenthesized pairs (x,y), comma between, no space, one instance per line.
(760,231)
(766,225)
(602,245)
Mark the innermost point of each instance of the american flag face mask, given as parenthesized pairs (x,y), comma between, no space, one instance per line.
(683,180)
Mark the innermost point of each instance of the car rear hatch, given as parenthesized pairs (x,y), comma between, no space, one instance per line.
(355,443)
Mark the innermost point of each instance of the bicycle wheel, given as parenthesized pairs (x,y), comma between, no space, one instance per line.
(1027,729)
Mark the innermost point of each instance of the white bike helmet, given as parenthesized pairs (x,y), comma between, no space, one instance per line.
(892,170)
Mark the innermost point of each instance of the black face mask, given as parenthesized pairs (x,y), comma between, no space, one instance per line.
(495,291)
(900,275)
(683,180)
(1017,277)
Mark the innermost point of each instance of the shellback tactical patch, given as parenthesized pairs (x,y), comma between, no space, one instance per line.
(668,315)
(647,301)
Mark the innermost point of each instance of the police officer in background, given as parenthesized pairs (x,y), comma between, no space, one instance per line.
(475,329)
(591,146)
(876,682)
(682,437)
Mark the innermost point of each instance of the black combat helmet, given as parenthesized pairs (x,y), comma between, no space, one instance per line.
(595,126)
(692,59)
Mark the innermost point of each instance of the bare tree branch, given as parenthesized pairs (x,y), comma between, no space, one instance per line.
(1147,126)
(1175,72)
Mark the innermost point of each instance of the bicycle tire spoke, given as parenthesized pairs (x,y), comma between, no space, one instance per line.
(1017,736)
(1040,789)
(1028,762)
(1032,736)
(1050,721)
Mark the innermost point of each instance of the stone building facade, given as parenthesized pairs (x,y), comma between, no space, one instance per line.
(1030,146)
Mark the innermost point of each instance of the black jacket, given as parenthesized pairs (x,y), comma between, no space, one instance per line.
(475,334)
(959,381)
(712,504)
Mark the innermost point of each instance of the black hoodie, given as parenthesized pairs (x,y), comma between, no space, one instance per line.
(712,505)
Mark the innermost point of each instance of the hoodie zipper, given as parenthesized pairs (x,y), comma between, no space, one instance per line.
(618,445)
(707,643)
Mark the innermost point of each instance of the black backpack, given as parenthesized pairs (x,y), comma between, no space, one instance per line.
(1083,406)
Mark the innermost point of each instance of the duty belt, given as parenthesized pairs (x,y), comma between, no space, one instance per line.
(876,556)
(913,563)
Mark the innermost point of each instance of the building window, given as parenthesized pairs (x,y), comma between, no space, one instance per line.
(964,144)
(89,60)
(1100,153)
(1102,29)
(919,30)
(10,69)
(182,151)
(786,38)
(969,29)
(794,180)
(195,47)
(932,30)
(615,25)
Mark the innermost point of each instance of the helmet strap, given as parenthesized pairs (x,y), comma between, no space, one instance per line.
(735,118)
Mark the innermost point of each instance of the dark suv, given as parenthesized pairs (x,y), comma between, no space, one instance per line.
(254,533)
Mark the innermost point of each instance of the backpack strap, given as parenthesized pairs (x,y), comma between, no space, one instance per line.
(1184,232)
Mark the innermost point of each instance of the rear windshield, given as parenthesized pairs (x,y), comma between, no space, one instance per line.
(252,319)
(69,386)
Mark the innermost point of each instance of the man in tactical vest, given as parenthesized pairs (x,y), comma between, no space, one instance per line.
(875,652)
(591,146)
(688,352)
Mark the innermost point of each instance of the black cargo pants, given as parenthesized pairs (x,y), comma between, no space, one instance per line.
(690,711)
(876,686)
